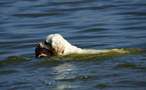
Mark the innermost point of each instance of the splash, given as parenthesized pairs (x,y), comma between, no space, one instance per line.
(109,52)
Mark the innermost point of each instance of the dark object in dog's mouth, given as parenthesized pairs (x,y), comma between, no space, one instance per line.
(42,52)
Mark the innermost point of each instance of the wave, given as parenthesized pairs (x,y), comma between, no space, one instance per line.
(107,52)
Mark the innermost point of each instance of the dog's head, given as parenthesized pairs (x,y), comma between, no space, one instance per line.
(53,45)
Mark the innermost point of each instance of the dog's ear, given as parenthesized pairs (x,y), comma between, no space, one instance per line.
(58,47)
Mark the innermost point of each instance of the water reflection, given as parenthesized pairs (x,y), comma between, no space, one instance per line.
(64,71)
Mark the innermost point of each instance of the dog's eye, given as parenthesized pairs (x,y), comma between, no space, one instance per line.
(46,43)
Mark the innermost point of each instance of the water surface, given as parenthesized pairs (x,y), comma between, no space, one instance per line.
(90,24)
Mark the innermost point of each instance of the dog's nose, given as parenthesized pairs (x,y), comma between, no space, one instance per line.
(38,44)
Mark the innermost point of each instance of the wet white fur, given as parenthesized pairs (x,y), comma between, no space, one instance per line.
(59,46)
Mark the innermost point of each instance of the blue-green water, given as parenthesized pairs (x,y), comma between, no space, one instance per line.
(90,24)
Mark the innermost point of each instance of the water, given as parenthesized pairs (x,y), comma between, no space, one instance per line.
(90,24)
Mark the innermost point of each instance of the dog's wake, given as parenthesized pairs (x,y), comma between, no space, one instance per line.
(55,44)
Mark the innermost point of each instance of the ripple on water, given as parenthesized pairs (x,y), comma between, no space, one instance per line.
(90,24)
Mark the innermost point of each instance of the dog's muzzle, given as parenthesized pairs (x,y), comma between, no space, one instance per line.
(42,52)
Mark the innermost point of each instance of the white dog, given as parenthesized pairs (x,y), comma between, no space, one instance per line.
(55,44)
